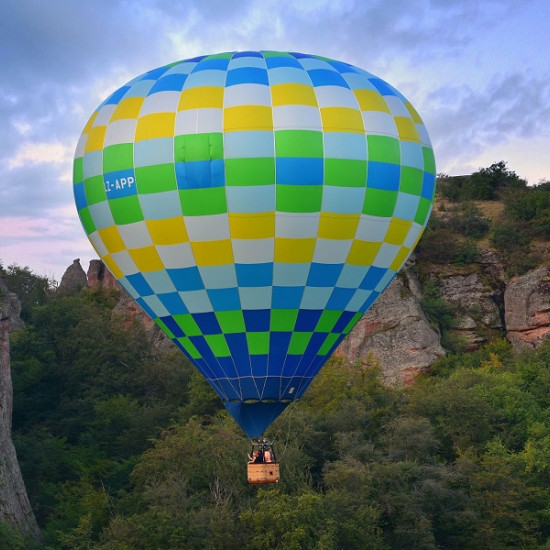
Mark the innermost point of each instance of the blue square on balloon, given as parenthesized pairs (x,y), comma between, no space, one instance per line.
(383,175)
(326,77)
(173,326)
(369,301)
(247,75)
(137,280)
(307,320)
(116,96)
(278,346)
(258,364)
(257,320)
(428,186)
(372,278)
(324,274)
(154,74)
(169,83)
(255,274)
(187,278)
(200,174)
(299,171)
(383,87)
(80,196)
(224,299)
(173,303)
(216,63)
(340,298)
(287,297)
(343,321)
(238,347)
(207,322)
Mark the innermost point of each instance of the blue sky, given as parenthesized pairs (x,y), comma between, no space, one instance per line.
(477,72)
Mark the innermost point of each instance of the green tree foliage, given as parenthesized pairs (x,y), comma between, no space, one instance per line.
(485,184)
(31,289)
(127,448)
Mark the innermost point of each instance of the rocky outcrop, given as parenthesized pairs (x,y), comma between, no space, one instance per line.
(73,279)
(15,509)
(396,334)
(99,276)
(527,309)
(477,312)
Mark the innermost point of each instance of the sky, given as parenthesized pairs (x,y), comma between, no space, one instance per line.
(478,72)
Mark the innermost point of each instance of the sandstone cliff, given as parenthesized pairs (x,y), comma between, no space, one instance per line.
(395,332)
(15,509)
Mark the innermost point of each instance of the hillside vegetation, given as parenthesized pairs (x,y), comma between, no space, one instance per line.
(125,447)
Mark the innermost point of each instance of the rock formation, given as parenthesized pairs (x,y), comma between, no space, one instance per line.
(15,509)
(396,334)
(99,276)
(527,309)
(73,279)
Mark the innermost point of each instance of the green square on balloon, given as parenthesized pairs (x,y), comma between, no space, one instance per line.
(352,323)
(231,322)
(189,347)
(328,319)
(379,202)
(299,342)
(126,210)
(299,198)
(156,178)
(203,202)
(258,343)
(78,170)
(186,322)
(298,143)
(345,172)
(328,343)
(218,344)
(118,157)
(411,180)
(423,211)
(383,149)
(87,220)
(429,160)
(283,320)
(250,171)
(193,147)
(162,325)
(94,189)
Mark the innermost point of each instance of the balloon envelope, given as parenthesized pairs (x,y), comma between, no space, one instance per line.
(255,204)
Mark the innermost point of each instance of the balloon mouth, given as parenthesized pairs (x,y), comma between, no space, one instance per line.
(254,401)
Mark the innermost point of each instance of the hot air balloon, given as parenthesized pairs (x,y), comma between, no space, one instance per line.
(255,205)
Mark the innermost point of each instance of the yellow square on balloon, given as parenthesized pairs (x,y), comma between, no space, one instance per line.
(400,258)
(127,108)
(213,252)
(156,125)
(293,94)
(112,266)
(294,251)
(397,231)
(407,129)
(95,140)
(252,226)
(363,252)
(168,231)
(247,117)
(111,239)
(342,119)
(146,259)
(338,226)
(202,97)
(371,100)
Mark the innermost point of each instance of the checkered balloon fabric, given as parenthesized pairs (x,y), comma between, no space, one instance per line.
(255,204)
